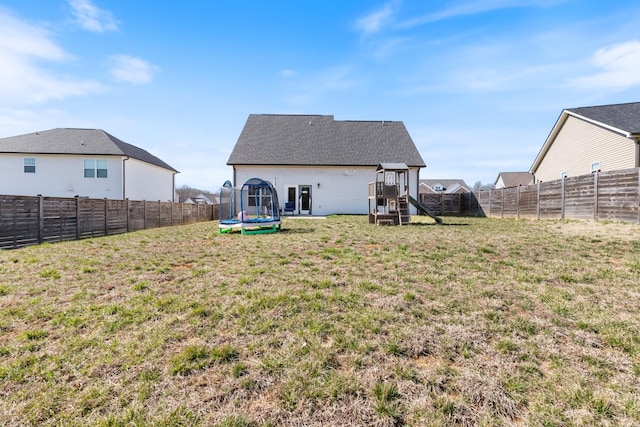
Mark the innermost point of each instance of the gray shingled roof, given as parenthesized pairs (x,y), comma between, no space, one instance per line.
(269,139)
(625,117)
(87,142)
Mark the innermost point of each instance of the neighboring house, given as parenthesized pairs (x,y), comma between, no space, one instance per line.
(82,162)
(513,179)
(443,186)
(204,198)
(590,139)
(321,165)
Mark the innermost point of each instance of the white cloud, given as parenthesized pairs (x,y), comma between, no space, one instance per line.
(375,21)
(91,17)
(288,73)
(619,66)
(132,70)
(472,7)
(24,48)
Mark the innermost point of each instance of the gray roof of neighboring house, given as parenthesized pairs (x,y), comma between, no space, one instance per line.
(446,183)
(87,142)
(625,117)
(274,139)
(514,179)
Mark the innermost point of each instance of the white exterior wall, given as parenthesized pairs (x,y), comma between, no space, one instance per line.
(144,181)
(59,176)
(579,144)
(343,189)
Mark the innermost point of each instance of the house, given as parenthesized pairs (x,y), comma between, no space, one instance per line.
(204,198)
(513,179)
(443,186)
(590,139)
(320,165)
(67,162)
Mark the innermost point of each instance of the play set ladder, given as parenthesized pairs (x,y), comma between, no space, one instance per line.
(403,211)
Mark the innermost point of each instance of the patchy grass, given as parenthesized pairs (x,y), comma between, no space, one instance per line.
(330,322)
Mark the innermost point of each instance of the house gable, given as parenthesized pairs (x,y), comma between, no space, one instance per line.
(605,136)
(447,186)
(513,179)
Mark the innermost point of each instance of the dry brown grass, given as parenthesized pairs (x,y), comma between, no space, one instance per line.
(334,322)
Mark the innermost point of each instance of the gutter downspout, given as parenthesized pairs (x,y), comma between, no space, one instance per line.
(173,185)
(124,187)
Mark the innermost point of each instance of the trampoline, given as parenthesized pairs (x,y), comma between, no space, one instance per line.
(259,210)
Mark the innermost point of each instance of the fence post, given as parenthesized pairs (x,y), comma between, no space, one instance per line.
(595,195)
(106,217)
(538,202)
(144,212)
(126,205)
(490,203)
(502,195)
(40,219)
(518,203)
(159,213)
(562,198)
(78,225)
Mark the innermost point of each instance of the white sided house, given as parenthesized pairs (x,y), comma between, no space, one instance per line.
(318,165)
(82,162)
(590,139)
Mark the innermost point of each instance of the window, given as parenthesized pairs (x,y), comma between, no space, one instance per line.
(29,165)
(101,171)
(595,167)
(91,171)
(390,178)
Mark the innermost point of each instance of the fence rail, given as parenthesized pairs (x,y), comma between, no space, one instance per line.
(613,196)
(28,220)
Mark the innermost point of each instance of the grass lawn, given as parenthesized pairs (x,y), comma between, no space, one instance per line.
(329,322)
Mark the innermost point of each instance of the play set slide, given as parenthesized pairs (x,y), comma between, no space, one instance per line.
(424,210)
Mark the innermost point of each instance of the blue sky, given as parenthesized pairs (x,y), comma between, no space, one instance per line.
(478,83)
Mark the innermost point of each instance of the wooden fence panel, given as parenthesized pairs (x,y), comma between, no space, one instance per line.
(19,222)
(92,217)
(618,195)
(59,219)
(579,197)
(137,215)
(117,216)
(152,215)
(550,200)
(510,202)
(528,202)
(495,203)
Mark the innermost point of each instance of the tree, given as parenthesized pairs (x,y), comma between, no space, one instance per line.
(478,186)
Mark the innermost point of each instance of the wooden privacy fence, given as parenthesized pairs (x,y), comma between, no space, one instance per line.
(611,196)
(32,220)
(446,204)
